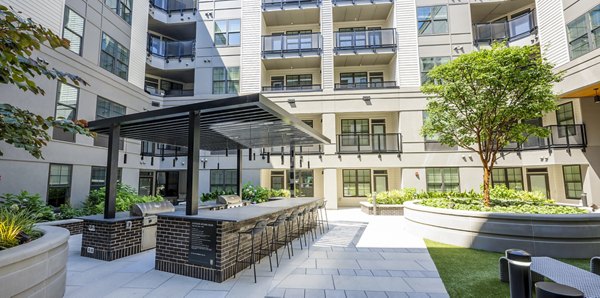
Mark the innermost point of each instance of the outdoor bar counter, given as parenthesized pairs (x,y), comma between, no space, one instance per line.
(204,245)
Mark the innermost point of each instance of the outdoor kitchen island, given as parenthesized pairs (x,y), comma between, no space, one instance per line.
(204,245)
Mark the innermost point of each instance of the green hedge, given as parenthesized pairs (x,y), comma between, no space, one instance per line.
(126,197)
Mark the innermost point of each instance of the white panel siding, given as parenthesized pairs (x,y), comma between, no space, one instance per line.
(139,31)
(552,31)
(251,47)
(408,48)
(327,34)
(48,13)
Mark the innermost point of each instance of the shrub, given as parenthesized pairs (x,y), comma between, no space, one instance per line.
(284,193)
(65,211)
(470,204)
(212,196)
(126,197)
(31,203)
(255,194)
(396,196)
(16,227)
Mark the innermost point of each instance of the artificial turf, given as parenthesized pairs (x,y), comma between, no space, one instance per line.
(474,273)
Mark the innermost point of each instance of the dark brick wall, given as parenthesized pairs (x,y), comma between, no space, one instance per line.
(75,226)
(111,240)
(383,209)
(172,247)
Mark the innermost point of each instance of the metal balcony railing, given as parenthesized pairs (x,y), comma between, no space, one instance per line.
(366,85)
(281,4)
(171,49)
(350,143)
(561,137)
(368,39)
(298,150)
(162,150)
(291,43)
(171,6)
(316,87)
(356,2)
(514,29)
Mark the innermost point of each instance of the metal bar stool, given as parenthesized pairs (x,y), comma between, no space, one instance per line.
(301,222)
(259,228)
(276,240)
(312,221)
(322,210)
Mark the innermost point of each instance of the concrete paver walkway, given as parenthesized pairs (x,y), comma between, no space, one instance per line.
(360,256)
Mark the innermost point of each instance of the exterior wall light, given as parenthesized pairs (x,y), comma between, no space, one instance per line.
(597,97)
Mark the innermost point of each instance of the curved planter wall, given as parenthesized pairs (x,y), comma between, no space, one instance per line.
(37,268)
(560,236)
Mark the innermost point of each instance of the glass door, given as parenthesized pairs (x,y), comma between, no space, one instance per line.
(145,184)
(538,181)
(378,135)
(305,183)
(381,180)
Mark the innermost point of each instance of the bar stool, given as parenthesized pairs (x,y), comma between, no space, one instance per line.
(294,217)
(259,228)
(312,221)
(322,210)
(301,221)
(275,240)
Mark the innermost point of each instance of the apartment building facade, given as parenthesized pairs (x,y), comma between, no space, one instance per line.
(349,68)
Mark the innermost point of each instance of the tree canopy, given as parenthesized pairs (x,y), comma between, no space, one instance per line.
(481,101)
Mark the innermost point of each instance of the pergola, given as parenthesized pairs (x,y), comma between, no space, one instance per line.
(236,123)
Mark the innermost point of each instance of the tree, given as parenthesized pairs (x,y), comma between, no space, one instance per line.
(481,101)
(19,38)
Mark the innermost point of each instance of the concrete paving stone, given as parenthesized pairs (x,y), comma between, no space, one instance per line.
(351,249)
(313,271)
(338,248)
(104,284)
(423,250)
(417,295)
(376,294)
(150,280)
(363,272)
(245,287)
(314,293)
(276,293)
(431,273)
(380,273)
(330,271)
(396,249)
(335,294)
(438,295)
(415,273)
(371,283)
(307,282)
(390,265)
(427,264)
(397,273)
(396,294)
(70,289)
(373,249)
(138,267)
(338,264)
(348,272)
(354,255)
(363,249)
(418,256)
(320,254)
(81,264)
(310,263)
(299,271)
(128,293)
(176,286)
(356,294)
(426,285)
(215,286)
(206,294)
(294,293)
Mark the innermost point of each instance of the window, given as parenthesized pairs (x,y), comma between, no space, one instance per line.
(121,8)
(352,127)
(66,108)
(277,83)
(106,109)
(573,183)
(223,180)
(565,116)
(431,142)
(227,33)
(512,178)
(432,20)
(308,122)
(442,179)
(376,79)
(353,79)
(98,179)
(380,178)
(583,33)
(357,183)
(59,184)
(226,80)
(298,81)
(278,180)
(428,63)
(114,57)
(73,30)
(298,39)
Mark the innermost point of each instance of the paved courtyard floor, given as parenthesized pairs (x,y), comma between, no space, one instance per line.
(360,256)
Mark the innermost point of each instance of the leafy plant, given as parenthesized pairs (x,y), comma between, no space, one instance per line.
(16,227)
(19,38)
(483,100)
(212,196)
(126,197)
(396,196)
(255,194)
(65,211)
(31,203)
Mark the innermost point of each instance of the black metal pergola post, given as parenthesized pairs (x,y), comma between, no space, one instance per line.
(239,185)
(292,171)
(112,171)
(193,163)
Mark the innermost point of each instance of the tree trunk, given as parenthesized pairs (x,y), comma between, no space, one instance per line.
(486,186)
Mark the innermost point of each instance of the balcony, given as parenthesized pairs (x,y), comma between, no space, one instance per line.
(365,42)
(298,150)
(359,2)
(301,88)
(273,5)
(161,150)
(169,93)
(291,45)
(510,31)
(174,6)
(369,143)
(366,85)
(168,49)
(561,137)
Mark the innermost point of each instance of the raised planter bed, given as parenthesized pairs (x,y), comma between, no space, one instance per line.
(74,225)
(383,209)
(37,268)
(560,236)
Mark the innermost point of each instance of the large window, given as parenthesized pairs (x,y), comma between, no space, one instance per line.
(442,179)
(432,20)
(98,177)
(352,127)
(573,183)
(357,183)
(226,80)
(431,141)
(121,8)
(428,63)
(512,178)
(114,57)
(106,109)
(297,81)
(278,180)
(223,180)
(73,30)
(66,108)
(565,116)
(227,32)
(583,33)
(59,184)
(354,79)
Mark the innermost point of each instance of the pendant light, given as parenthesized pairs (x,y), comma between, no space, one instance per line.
(597,97)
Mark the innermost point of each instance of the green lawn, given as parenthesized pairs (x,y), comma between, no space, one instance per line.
(474,273)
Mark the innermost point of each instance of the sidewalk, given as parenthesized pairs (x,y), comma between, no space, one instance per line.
(360,256)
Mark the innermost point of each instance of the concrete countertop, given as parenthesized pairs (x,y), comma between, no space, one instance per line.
(119,217)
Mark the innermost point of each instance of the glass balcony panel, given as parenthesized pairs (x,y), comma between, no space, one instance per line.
(369,143)
(520,25)
(170,49)
(365,39)
(266,4)
(292,43)
(174,5)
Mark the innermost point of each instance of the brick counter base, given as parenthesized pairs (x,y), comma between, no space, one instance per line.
(109,241)
(75,226)
(367,208)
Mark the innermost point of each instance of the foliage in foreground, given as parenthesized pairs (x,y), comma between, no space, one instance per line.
(30,203)
(393,197)
(259,194)
(482,101)
(16,227)
(126,197)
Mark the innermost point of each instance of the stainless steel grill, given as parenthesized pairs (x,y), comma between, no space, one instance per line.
(230,201)
(149,211)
